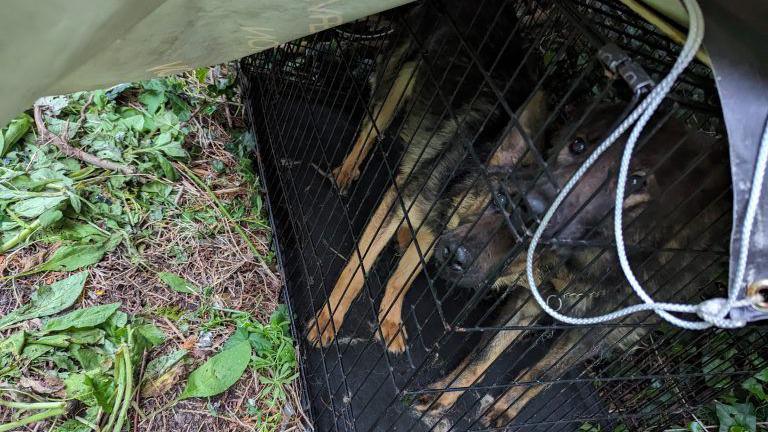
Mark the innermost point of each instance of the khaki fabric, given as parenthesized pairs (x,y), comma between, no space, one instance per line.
(57,46)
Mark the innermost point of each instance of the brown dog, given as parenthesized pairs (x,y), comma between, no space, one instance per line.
(450,108)
(675,193)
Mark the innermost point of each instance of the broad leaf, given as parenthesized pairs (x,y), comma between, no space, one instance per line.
(177,283)
(16,129)
(48,300)
(91,388)
(87,336)
(49,217)
(152,99)
(162,364)
(219,373)
(736,415)
(34,207)
(755,387)
(762,375)
(151,333)
(89,358)
(82,318)
(73,257)
(56,341)
(14,343)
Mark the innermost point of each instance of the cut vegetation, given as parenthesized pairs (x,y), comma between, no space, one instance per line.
(138,286)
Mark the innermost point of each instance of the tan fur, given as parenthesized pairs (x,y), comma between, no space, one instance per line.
(386,221)
(382,113)
(473,368)
(322,329)
(513,146)
(508,406)
(391,309)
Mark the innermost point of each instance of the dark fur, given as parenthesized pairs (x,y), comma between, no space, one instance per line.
(450,107)
(588,281)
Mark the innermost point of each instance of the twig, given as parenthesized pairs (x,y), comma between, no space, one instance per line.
(76,153)
(82,112)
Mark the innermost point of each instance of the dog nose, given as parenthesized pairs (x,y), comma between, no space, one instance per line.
(460,259)
(456,256)
(537,204)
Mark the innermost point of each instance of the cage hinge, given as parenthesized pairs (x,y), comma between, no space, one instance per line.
(618,61)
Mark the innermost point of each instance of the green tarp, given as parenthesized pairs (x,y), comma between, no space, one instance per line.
(57,46)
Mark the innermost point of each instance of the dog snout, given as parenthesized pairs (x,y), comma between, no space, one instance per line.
(540,197)
(536,203)
(455,256)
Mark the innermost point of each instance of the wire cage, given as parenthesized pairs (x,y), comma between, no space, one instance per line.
(407,158)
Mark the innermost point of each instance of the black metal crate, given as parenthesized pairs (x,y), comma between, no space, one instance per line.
(307,101)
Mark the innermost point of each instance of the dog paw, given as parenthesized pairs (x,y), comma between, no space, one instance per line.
(393,336)
(344,175)
(436,402)
(320,331)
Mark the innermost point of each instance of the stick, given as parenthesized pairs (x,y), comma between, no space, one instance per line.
(76,153)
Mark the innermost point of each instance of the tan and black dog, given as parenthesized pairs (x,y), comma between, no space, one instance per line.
(457,77)
(676,198)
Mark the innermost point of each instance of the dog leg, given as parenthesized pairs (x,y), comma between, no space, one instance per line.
(391,308)
(382,113)
(473,370)
(322,328)
(565,352)
(403,238)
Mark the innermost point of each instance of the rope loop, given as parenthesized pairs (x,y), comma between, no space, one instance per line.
(712,312)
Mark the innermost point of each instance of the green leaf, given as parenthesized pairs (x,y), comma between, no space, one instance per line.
(89,358)
(73,257)
(135,122)
(73,425)
(56,341)
(48,300)
(50,217)
(34,207)
(200,74)
(16,129)
(33,351)
(162,364)
(87,337)
(92,388)
(14,343)
(755,387)
(82,318)
(169,171)
(177,283)
(153,100)
(736,415)
(117,321)
(170,146)
(153,335)
(695,426)
(219,373)
(762,375)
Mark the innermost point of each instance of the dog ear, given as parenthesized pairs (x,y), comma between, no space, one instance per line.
(513,146)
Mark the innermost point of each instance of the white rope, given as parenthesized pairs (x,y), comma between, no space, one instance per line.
(712,312)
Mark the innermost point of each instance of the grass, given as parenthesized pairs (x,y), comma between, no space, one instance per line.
(193,209)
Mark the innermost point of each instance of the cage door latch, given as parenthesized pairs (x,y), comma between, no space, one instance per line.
(619,62)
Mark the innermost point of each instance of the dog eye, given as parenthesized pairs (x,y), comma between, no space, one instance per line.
(637,181)
(578,146)
(501,200)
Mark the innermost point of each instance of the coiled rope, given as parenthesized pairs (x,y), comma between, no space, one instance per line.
(713,312)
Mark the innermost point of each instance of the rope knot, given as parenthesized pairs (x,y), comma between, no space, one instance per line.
(711,311)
